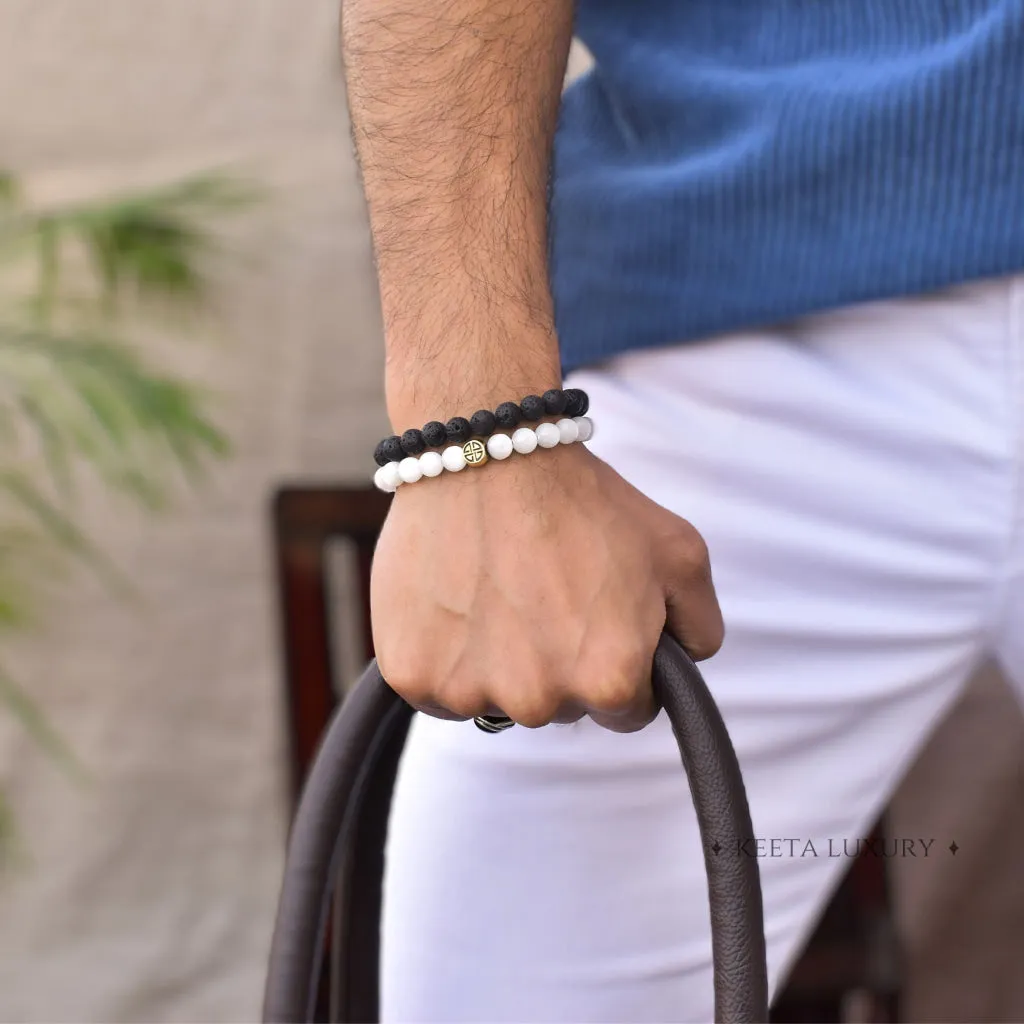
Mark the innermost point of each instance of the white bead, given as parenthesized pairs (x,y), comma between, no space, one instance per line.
(431,464)
(499,446)
(409,470)
(453,458)
(586,425)
(568,431)
(391,476)
(382,480)
(524,440)
(548,435)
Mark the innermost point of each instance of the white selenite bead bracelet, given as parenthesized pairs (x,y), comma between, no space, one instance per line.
(454,458)
(524,440)
(432,463)
(498,446)
(568,431)
(548,435)
(387,478)
(410,470)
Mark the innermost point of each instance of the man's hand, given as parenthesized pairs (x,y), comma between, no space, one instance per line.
(537,588)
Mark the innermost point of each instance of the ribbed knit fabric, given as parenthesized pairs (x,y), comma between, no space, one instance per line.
(737,162)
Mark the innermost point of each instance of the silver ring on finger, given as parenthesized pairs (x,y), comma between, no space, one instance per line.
(493,723)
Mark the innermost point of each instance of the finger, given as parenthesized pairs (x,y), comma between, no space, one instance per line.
(569,713)
(453,704)
(692,612)
(460,713)
(533,710)
(621,699)
(641,710)
(440,711)
(566,714)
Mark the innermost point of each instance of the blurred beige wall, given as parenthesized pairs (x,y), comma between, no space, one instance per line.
(150,891)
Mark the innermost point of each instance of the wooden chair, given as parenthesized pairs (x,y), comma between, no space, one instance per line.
(850,969)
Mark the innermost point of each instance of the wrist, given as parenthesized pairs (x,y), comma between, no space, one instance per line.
(558,417)
(459,378)
(411,407)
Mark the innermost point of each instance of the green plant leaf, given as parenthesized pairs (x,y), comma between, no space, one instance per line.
(31,717)
(48,261)
(76,396)
(8,188)
(152,243)
(51,441)
(60,527)
(15,606)
(126,400)
(9,847)
(28,566)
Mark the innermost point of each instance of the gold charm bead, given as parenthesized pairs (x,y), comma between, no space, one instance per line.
(475,452)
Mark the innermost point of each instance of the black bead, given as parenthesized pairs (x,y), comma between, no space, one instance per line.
(577,402)
(458,430)
(392,448)
(532,407)
(508,415)
(482,423)
(413,442)
(379,455)
(434,434)
(554,402)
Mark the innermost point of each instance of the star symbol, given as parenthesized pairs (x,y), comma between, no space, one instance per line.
(953,847)
(717,848)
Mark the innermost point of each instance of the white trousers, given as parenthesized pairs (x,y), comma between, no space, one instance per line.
(859,479)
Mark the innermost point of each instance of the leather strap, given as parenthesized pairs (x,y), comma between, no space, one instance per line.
(336,845)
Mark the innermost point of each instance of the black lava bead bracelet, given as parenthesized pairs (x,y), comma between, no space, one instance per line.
(458,430)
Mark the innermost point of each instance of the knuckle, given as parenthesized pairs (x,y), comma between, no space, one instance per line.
(427,693)
(694,557)
(412,686)
(615,683)
(464,708)
(612,697)
(462,698)
(532,714)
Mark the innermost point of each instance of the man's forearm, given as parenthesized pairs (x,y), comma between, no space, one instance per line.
(453,109)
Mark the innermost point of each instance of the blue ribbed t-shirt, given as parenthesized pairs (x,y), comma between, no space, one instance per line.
(729,163)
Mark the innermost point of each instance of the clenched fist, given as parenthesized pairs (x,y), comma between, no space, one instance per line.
(536,588)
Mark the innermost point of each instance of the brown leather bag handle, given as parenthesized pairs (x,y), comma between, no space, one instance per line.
(338,834)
